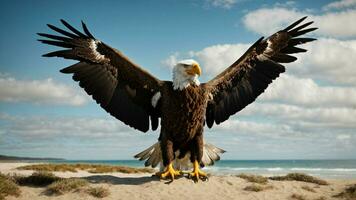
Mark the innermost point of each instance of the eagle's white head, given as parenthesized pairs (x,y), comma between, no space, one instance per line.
(185,73)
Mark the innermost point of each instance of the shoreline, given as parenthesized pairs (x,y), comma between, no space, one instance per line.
(143,186)
(9,167)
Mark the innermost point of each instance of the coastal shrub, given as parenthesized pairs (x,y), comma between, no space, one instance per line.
(99,192)
(92,168)
(121,169)
(257,188)
(66,185)
(307,188)
(298,196)
(253,178)
(50,167)
(299,177)
(254,188)
(348,193)
(40,178)
(8,187)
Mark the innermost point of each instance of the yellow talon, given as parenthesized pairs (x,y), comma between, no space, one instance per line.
(197,174)
(170,172)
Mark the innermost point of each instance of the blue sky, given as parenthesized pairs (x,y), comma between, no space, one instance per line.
(306,114)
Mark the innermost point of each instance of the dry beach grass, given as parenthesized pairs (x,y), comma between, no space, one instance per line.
(299,177)
(92,168)
(8,187)
(348,193)
(253,178)
(66,185)
(99,192)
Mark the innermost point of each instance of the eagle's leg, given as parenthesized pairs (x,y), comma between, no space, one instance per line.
(168,157)
(196,156)
(170,172)
(197,174)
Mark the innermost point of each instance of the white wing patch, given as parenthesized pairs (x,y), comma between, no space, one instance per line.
(264,56)
(155,99)
(268,49)
(95,53)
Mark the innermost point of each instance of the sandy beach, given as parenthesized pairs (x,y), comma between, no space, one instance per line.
(143,186)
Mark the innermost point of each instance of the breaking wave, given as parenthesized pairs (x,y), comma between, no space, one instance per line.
(270,171)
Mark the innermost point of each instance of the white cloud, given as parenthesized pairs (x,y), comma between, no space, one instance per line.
(234,126)
(44,91)
(338,24)
(329,117)
(73,137)
(215,59)
(266,21)
(340,4)
(278,129)
(170,61)
(302,91)
(330,60)
(343,137)
(41,127)
(280,126)
(287,4)
(227,4)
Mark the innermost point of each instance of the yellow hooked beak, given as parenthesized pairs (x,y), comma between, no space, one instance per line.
(195,69)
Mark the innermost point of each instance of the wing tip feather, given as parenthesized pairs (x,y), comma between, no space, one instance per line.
(48,55)
(65,71)
(86,30)
(295,23)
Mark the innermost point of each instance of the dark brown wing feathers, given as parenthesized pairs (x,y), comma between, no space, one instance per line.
(242,82)
(121,87)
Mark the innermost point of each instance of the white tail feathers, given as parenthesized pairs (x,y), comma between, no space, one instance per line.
(153,156)
(211,154)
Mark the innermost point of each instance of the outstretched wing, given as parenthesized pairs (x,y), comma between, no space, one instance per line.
(120,87)
(241,83)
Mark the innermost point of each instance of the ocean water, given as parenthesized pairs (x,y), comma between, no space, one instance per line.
(332,169)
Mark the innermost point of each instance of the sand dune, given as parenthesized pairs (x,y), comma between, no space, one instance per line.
(143,186)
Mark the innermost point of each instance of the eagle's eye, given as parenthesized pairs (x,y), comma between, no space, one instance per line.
(185,65)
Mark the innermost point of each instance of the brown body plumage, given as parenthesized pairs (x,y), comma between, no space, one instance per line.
(182,132)
(138,99)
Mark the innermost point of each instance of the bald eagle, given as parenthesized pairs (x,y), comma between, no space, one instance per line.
(183,105)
